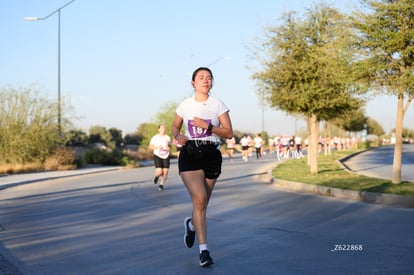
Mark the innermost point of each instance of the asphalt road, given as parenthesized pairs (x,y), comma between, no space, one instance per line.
(117,222)
(377,163)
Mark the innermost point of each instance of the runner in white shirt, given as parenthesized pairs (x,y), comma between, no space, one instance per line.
(205,119)
(258,144)
(245,144)
(161,146)
(230,142)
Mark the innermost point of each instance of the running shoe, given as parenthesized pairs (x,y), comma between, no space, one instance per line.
(205,259)
(161,187)
(156,179)
(189,235)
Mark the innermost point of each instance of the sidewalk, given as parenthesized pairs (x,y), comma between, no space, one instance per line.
(7,181)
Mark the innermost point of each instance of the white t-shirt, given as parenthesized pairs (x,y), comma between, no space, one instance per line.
(258,142)
(298,140)
(209,110)
(163,141)
(245,141)
(230,142)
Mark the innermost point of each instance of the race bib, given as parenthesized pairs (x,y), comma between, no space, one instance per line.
(198,132)
(163,152)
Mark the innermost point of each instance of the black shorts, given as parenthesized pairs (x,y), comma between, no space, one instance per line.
(161,163)
(210,163)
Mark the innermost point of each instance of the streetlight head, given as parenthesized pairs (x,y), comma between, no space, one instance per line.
(31,18)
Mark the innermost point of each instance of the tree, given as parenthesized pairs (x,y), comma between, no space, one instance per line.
(310,69)
(145,131)
(132,139)
(407,134)
(77,138)
(116,137)
(387,36)
(353,121)
(28,126)
(166,116)
(99,134)
(374,128)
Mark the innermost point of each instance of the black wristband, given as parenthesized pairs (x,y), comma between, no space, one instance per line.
(210,127)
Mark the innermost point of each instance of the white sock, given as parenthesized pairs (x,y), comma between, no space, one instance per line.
(190,224)
(203,247)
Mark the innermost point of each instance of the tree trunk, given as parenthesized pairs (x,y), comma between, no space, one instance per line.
(309,141)
(313,143)
(396,164)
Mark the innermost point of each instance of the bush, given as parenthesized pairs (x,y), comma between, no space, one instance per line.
(104,157)
(144,153)
(19,168)
(28,128)
(61,159)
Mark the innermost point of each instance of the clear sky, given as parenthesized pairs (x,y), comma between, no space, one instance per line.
(121,61)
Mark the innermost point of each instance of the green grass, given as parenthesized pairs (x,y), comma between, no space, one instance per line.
(332,174)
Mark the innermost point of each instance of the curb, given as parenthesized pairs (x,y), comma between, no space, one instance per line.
(402,201)
(342,160)
(265,174)
(363,196)
(66,174)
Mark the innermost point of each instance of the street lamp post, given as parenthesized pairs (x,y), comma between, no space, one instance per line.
(219,59)
(59,83)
